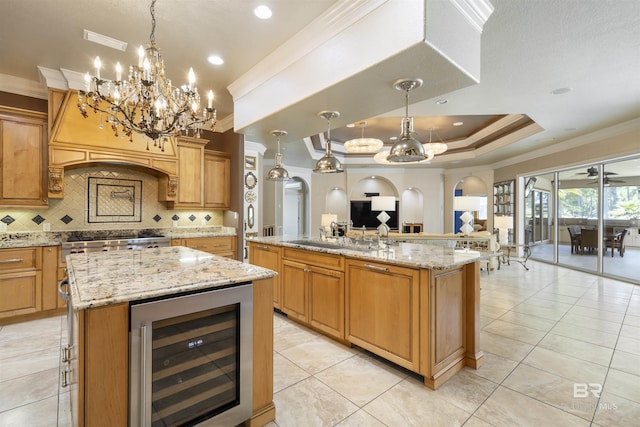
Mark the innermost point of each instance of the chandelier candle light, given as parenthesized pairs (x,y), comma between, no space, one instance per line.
(146,102)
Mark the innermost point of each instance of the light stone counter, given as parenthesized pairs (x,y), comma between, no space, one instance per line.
(105,278)
(418,255)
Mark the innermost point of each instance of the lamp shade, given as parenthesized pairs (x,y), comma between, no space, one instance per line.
(383,203)
(327,219)
(468,203)
(503,222)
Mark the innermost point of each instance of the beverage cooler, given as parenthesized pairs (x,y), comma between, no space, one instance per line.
(191,359)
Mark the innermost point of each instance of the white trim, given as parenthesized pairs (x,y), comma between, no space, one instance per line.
(21,86)
(477,12)
(254,146)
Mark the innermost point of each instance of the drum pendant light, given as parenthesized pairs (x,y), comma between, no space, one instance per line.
(407,149)
(278,172)
(328,163)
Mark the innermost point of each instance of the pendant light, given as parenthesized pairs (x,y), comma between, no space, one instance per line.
(435,147)
(278,173)
(328,163)
(407,148)
(362,144)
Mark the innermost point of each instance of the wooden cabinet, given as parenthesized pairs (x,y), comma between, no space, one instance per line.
(23,142)
(268,256)
(382,310)
(313,289)
(217,180)
(190,193)
(29,283)
(218,245)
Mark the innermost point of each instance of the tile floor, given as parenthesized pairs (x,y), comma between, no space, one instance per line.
(548,334)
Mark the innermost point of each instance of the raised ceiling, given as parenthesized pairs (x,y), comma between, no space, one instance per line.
(529,49)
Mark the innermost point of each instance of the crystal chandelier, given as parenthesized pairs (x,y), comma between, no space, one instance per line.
(362,144)
(146,102)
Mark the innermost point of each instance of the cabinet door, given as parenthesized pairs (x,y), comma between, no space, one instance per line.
(326,301)
(217,181)
(190,173)
(22,145)
(382,313)
(294,290)
(268,256)
(20,293)
(50,256)
(222,245)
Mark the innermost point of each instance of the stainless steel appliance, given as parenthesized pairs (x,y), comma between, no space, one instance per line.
(78,244)
(191,359)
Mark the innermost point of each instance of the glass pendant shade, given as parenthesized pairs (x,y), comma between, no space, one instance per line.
(278,172)
(435,147)
(362,144)
(407,149)
(328,163)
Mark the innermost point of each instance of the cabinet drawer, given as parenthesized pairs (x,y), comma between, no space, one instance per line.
(334,262)
(20,293)
(19,259)
(216,245)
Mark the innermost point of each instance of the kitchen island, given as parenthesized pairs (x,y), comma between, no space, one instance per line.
(104,285)
(416,305)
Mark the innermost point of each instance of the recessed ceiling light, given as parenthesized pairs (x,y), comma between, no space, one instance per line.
(105,40)
(561,91)
(351,125)
(393,138)
(441,101)
(215,60)
(262,12)
(458,123)
(570,129)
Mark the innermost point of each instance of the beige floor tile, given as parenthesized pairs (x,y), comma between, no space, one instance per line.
(466,390)
(502,346)
(595,313)
(546,312)
(360,419)
(628,344)
(630,331)
(529,321)
(515,331)
(565,366)
(632,320)
(549,296)
(626,362)
(28,389)
(491,312)
(20,346)
(576,290)
(29,363)
(286,373)
(31,329)
(593,336)
(64,410)
(495,368)
(41,413)
(410,403)
(551,389)
(290,335)
(476,422)
(623,384)
(318,354)
(509,408)
(603,305)
(578,349)
(591,323)
(311,403)
(360,378)
(616,411)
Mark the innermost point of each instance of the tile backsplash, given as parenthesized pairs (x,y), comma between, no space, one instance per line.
(72,212)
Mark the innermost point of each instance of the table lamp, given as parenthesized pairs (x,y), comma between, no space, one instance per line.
(503,223)
(383,204)
(467,204)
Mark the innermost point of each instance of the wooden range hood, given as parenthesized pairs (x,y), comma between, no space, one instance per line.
(76,141)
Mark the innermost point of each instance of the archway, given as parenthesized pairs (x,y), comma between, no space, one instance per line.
(471,186)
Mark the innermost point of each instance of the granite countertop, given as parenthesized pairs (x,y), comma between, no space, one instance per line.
(104,278)
(54,238)
(417,255)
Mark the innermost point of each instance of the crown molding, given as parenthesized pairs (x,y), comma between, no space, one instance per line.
(254,146)
(21,86)
(477,12)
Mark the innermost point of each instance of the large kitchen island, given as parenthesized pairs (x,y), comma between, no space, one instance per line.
(103,288)
(417,305)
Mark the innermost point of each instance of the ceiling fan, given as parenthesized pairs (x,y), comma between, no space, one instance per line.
(606,180)
(592,172)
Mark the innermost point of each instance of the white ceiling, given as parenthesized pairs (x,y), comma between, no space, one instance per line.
(528,49)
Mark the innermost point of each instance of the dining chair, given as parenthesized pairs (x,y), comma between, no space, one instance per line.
(588,240)
(616,241)
(574,233)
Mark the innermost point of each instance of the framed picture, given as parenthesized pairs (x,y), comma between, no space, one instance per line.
(250,162)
